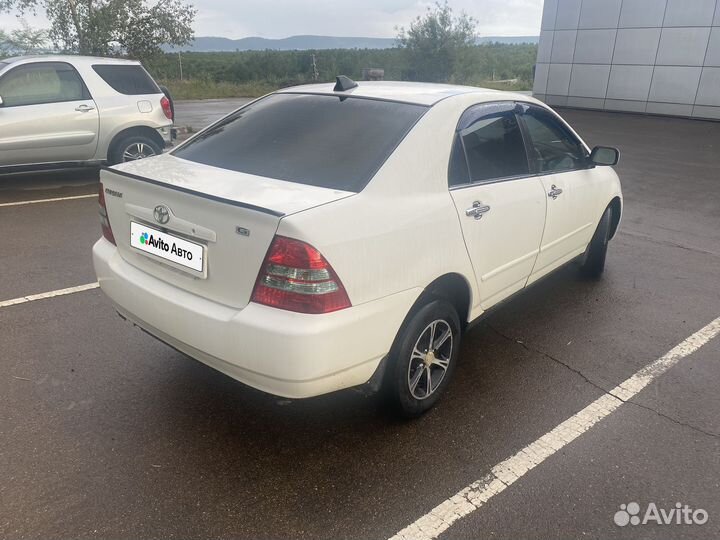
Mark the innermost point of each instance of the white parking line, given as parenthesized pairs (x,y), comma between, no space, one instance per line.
(21,203)
(51,294)
(504,474)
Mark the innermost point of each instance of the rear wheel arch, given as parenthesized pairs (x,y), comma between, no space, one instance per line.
(143,131)
(452,287)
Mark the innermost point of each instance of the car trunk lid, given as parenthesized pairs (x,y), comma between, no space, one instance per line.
(225,218)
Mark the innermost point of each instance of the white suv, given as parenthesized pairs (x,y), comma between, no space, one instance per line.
(325,237)
(76,110)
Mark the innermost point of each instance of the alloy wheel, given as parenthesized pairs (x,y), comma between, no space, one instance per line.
(138,150)
(430,359)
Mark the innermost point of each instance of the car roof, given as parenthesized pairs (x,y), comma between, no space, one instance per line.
(408,92)
(70,58)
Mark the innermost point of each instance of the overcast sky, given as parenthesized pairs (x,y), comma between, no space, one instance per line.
(371,18)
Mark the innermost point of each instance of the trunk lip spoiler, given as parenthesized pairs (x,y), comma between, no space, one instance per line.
(194,192)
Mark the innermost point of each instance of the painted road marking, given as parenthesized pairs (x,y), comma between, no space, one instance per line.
(21,203)
(504,474)
(51,294)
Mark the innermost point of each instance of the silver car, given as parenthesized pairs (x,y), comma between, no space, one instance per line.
(77,110)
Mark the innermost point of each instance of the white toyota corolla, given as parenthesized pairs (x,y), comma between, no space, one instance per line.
(325,237)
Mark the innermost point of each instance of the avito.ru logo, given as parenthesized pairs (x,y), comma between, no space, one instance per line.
(680,515)
(159,243)
(152,241)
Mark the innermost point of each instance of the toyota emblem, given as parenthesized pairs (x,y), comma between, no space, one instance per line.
(161,214)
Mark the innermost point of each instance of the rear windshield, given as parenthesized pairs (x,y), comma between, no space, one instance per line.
(128,80)
(320,140)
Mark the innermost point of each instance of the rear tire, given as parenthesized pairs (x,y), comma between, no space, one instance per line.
(132,148)
(423,358)
(594,264)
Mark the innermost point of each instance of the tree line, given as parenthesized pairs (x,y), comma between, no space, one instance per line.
(437,46)
(474,64)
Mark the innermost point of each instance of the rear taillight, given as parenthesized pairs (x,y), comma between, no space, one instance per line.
(296,277)
(104,219)
(167,109)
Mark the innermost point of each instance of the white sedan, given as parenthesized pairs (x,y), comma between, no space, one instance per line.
(326,237)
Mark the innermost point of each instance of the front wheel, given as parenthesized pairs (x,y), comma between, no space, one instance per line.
(423,358)
(594,264)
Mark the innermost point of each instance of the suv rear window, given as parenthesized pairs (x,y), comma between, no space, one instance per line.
(337,142)
(128,80)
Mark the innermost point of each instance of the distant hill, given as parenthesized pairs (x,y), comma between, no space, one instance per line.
(220,44)
(509,40)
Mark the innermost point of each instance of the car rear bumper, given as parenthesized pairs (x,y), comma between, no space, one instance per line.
(283,353)
(167,134)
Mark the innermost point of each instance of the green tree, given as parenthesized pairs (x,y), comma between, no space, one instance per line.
(435,42)
(23,40)
(136,28)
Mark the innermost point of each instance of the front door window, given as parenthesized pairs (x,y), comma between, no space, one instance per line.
(40,83)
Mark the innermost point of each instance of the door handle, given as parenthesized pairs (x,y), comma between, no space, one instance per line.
(84,108)
(478,210)
(554,192)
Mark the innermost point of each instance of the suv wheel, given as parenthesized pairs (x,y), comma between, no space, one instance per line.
(132,148)
(423,358)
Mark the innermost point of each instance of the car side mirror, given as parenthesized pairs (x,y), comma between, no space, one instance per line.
(605,156)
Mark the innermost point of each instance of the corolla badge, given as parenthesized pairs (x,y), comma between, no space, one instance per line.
(161,214)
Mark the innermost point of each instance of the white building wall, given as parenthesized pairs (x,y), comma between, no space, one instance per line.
(653,56)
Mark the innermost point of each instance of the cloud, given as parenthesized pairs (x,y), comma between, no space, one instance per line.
(11,21)
(371,18)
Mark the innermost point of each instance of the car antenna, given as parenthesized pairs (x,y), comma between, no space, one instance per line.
(343,83)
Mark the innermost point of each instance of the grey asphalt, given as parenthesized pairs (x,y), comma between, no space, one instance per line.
(107,433)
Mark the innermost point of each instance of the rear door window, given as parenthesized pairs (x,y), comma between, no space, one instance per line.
(490,136)
(40,83)
(129,80)
(336,142)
